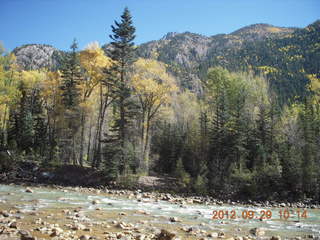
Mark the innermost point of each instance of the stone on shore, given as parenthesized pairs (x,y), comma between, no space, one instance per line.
(29,190)
(165,235)
(257,232)
(275,238)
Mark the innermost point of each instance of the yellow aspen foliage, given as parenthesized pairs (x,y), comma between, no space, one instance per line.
(51,91)
(32,78)
(94,61)
(314,86)
(153,85)
(8,83)
(9,93)
(314,83)
(268,69)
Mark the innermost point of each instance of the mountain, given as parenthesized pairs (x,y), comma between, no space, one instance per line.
(35,56)
(283,55)
(187,52)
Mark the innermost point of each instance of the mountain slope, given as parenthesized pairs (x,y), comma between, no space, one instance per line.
(186,52)
(35,56)
(284,55)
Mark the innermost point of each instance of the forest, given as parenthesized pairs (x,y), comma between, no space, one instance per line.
(112,111)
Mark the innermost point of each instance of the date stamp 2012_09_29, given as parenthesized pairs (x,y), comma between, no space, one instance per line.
(262,214)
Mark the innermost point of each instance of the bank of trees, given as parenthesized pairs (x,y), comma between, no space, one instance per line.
(126,115)
(236,139)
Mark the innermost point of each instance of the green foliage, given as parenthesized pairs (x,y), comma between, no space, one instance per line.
(128,181)
(181,174)
(124,108)
(71,78)
(200,185)
(242,180)
(7,162)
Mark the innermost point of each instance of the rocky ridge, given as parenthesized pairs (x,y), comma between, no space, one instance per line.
(36,56)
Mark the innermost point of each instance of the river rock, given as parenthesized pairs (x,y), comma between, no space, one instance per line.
(123,226)
(56,232)
(141,212)
(275,238)
(238,238)
(95,202)
(13,224)
(84,237)
(140,237)
(29,190)
(174,219)
(212,235)
(165,235)
(25,235)
(257,231)
(78,226)
(4,213)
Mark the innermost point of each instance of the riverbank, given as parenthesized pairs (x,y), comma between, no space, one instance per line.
(159,187)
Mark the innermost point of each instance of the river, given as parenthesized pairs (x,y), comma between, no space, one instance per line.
(150,214)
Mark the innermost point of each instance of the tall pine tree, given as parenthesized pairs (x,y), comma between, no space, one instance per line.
(71,78)
(122,52)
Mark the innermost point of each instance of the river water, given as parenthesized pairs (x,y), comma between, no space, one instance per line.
(189,215)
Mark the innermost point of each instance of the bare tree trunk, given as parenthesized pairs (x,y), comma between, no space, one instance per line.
(73,152)
(4,123)
(142,159)
(95,144)
(145,150)
(82,123)
(97,153)
(103,115)
(89,141)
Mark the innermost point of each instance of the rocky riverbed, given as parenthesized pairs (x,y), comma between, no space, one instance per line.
(42,212)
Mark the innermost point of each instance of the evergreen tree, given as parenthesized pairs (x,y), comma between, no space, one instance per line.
(21,123)
(71,79)
(40,126)
(122,49)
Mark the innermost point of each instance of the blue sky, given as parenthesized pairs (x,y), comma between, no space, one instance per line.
(57,22)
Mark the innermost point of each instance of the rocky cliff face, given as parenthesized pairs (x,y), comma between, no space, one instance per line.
(187,52)
(35,56)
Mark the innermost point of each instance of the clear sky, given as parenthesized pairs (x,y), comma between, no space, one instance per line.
(57,22)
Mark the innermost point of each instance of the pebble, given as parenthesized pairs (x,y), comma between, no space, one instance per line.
(13,224)
(165,235)
(174,219)
(95,202)
(29,190)
(275,238)
(257,231)
(84,237)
